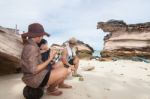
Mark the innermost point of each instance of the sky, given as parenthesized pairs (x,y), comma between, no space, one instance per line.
(64,19)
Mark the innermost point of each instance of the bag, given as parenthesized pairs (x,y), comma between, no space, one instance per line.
(32,93)
(71,62)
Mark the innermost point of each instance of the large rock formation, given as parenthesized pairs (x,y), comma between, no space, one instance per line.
(10,50)
(125,40)
(83,50)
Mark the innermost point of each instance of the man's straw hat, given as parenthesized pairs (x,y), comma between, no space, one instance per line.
(72,40)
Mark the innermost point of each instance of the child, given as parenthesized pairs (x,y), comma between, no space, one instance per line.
(45,51)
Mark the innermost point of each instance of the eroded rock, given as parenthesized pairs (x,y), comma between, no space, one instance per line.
(125,40)
(10,50)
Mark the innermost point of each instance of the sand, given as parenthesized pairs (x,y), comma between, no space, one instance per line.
(121,79)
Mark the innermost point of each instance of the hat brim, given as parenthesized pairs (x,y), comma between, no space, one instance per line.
(33,35)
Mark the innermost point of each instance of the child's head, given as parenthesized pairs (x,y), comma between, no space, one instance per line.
(43,44)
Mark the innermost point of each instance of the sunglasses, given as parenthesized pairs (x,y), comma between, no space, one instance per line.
(72,43)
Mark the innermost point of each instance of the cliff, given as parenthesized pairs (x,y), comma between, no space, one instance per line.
(125,40)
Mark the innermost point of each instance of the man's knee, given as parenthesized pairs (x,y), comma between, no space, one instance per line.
(58,65)
(62,73)
(65,72)
(76,60)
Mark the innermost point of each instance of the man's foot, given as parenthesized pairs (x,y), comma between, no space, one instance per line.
(76,75)
(55,92)
(64,86)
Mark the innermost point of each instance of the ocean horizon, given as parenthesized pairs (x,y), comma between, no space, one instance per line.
(96,53)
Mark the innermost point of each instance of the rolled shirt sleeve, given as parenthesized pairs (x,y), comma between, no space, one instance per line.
(30,55)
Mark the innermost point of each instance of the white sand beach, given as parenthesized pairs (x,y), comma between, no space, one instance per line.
(121,79)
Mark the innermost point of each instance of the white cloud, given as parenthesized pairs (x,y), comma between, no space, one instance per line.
(72,18)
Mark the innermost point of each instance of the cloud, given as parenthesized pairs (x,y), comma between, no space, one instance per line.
(72,18)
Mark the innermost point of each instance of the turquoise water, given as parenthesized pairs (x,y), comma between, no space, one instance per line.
(96,53)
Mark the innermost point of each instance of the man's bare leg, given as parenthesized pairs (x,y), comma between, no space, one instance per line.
(57,76)
(76,64)
(61,83)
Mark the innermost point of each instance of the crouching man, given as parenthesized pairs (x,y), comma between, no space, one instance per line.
(35,72)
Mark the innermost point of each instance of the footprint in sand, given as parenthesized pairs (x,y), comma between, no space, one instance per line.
(107,89)
(121,74)
(148,75)
(124,82)
(88,95)
(112,71)
(123,66)
(140,79)
(143,68)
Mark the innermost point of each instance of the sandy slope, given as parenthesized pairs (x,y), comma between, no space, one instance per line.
(109,80)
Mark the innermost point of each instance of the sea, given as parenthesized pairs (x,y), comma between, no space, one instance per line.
(96,53)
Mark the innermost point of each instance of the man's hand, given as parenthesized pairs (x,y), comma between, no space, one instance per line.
(72,67)
(69,70)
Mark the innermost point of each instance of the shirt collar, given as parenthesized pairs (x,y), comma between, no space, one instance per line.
(30,41)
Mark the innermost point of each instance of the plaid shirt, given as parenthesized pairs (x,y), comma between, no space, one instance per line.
(30,58)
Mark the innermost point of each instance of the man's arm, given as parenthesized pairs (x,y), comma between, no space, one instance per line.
(65,61)
(32,60)
(42,66)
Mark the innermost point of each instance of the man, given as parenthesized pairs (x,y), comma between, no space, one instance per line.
(35,72)
(45,50)
(70,55)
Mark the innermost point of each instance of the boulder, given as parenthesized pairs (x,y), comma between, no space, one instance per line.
(10,50)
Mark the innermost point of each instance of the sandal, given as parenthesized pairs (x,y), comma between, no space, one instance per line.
(65,86)
(56,92)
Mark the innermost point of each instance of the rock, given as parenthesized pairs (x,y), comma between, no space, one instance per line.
(81,79)
(88,68)
(125,40)
(10,50)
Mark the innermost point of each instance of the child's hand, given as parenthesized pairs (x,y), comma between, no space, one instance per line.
(52,54)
